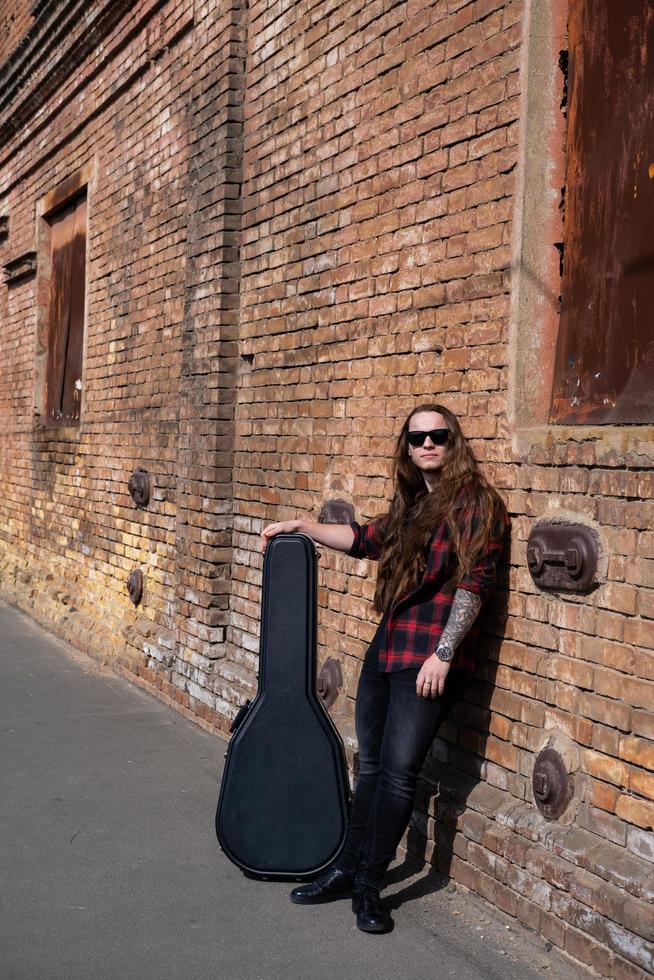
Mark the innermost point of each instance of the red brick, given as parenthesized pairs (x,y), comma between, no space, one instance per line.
(638,751)
(636,811)
(643,723)
(603,767)
(601,794)
(624,970)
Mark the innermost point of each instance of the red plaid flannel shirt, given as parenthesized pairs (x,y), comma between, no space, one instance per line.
(417,620)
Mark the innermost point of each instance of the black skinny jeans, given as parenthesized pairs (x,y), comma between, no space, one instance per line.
(395,728)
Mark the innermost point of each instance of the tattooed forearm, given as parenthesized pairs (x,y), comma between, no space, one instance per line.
(464,611)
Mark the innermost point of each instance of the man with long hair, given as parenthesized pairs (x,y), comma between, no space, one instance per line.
(438,549)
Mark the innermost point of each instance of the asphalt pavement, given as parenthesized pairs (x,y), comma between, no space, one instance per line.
(110,869)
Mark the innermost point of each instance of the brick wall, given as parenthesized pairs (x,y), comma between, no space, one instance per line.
(302,219)
(134,109)
(15,21)
(376,232)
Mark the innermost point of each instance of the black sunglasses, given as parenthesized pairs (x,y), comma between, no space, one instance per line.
(438,436)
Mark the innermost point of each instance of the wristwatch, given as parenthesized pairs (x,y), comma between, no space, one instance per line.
(444,652)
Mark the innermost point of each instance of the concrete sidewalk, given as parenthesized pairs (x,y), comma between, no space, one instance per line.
(111,870)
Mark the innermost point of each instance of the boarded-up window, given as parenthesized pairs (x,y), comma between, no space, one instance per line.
(604,370)
(66,311)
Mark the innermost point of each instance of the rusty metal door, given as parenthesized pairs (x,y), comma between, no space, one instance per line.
(66,318)
(604,370)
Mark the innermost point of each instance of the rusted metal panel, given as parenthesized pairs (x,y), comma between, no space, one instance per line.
(605,356)
(61,226)
(72,383)
(66,316)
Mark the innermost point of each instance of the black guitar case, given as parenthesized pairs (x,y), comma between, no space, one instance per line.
(284,797)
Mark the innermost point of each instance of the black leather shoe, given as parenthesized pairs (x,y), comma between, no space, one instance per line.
(370,913)
(328,887)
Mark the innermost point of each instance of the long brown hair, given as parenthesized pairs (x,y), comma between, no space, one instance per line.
(411,524)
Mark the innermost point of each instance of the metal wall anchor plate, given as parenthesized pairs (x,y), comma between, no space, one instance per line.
(139,487)
(336,512)
(562,556)
(551,783)
(330,680)
(135,586)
